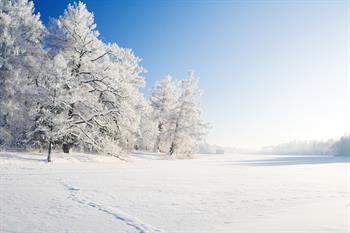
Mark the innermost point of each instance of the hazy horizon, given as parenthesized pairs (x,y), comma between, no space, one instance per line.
(271,71)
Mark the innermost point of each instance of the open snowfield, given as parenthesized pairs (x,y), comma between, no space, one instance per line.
(211,193)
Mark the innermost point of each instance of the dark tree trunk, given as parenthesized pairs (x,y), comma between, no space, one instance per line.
(66,148)
(156,146)
(49,153)
(172,149)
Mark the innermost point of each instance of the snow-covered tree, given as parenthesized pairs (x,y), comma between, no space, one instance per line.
(163,100)
(21,50)
(148,129)
(188,127)
(65,87)
(125,83)
(95,96)
(69,86)
(51,113)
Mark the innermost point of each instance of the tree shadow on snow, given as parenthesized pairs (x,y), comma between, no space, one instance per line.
(149,155)
(25,157)
(293,160)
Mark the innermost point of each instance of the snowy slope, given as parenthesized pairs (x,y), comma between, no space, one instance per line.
(226,193)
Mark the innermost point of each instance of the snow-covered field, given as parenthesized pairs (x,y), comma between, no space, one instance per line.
(211,193)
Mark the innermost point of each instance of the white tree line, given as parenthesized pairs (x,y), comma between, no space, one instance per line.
(342,146)
(62,86)
(328,147)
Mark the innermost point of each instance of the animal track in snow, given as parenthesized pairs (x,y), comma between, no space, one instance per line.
(138,225)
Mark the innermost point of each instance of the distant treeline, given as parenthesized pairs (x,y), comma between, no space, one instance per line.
(339,147)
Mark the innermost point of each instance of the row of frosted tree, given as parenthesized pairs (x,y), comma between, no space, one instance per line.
(62,86)
(339,147)
(342,146)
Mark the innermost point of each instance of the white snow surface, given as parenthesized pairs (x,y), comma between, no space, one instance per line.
(81,193)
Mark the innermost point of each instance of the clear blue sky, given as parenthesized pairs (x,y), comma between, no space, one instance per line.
(271,71)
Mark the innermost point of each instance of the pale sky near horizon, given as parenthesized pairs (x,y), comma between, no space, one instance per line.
(271,71)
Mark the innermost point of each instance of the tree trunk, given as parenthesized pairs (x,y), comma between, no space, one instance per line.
(156,145)
(49,153)
(173,144)
(66,148)
(172,149)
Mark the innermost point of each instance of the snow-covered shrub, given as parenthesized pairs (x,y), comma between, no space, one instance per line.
(111,148)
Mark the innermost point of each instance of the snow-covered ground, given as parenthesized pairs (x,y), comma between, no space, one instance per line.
(211,193)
